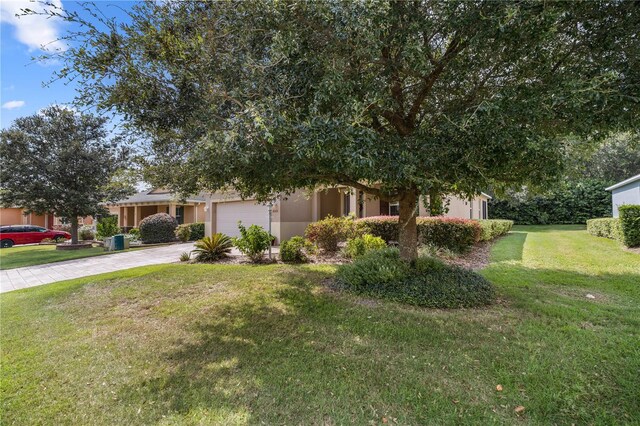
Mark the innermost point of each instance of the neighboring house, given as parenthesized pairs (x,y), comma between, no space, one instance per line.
(625,192)
(16,216)
(132,210)
(292,214)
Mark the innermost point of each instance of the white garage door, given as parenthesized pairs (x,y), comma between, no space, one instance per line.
(228,215)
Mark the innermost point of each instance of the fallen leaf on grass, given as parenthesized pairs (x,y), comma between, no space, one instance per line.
(519,409)
(499,388)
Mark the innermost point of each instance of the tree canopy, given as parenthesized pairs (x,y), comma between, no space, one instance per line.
(61,162)
(395,98)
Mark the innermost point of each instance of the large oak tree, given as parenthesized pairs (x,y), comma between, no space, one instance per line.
(395,98)
(61,162)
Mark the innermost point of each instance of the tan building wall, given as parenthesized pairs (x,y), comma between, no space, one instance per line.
(15,216)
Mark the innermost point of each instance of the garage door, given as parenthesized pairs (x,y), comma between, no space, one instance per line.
(228,215)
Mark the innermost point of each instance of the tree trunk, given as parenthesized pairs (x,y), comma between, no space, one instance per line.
(408,238)
(74,229)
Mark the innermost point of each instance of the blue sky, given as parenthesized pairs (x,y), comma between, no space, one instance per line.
(21,38)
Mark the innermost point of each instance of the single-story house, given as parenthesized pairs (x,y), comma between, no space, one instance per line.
(132,210)
(625,192)
(17,216)
(291,215)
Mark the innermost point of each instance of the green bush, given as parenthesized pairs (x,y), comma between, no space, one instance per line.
(253,241)
(158,228)
(330,231)
(107,226)
(630,225)
(452,233)
(429,283)
(185,256)
(135,232)
(295,250)
(86,233)
(494,228)
(607,227)
(197,231)
(572,202)
(183,232)
(210,249)
(359,246)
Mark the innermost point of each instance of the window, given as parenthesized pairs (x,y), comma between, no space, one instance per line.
(180,214)
(360,204)
(484,209)
(346,204)
(394,208)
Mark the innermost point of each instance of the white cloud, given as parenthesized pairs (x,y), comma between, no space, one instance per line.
(35,31)
(13,104)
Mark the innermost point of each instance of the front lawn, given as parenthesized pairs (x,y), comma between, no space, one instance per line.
(29,255)
(235,344)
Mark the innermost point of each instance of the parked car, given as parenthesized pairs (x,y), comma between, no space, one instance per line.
(28,234)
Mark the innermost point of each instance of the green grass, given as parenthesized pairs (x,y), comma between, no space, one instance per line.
(231,344)
(19,256)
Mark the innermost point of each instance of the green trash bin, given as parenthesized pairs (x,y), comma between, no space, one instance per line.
(118,242)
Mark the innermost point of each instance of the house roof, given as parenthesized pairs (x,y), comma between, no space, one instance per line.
(623,183)
(151,197)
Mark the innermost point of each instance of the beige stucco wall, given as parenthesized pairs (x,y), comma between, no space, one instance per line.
(11,216)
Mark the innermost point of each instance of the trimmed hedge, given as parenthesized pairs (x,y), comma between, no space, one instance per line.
(630,224)
(452,233)
(430,283)
(572,202)
(607,227)
(158,228)
(183,232)
(494,228)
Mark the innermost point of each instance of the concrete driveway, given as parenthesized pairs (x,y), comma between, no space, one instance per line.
(31,276)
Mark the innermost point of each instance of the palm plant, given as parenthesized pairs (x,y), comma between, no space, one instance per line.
(210,249)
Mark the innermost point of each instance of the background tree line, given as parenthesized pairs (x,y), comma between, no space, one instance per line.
(581,194)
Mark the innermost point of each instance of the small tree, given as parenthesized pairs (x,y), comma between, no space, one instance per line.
(60,162)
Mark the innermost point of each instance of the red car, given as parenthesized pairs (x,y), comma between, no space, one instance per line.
(28,234)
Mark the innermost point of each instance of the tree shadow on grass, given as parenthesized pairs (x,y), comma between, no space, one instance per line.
(305,356)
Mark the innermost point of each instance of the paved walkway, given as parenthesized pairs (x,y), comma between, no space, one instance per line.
(31,276)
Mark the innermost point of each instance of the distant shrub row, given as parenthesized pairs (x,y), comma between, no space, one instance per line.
(573,202)
(625,229)
(450,233)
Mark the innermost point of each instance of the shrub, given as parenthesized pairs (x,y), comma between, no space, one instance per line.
(494,228)
(135,232)
(572,202)
(452,233)
(158,228)
(295,250)
(183,232)
(253,241)
(359,246)
(185,256)
(447,232)
(86,233)
(607,227)
(197,231)
(330,231)
(107,226)
(213,248)
(630,224)
(430,283)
